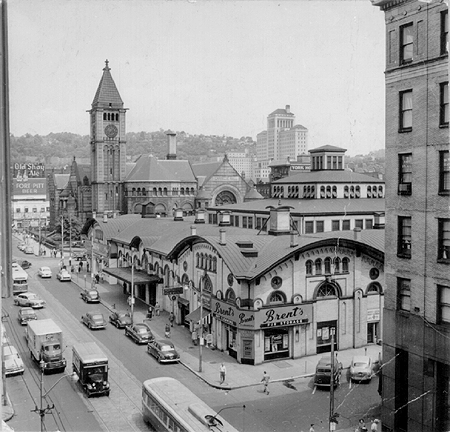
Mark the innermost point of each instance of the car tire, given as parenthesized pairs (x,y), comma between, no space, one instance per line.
(159,359)
(89,326)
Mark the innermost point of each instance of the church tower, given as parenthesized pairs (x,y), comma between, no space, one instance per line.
(108,146)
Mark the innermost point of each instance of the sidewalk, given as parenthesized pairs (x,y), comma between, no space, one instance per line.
(238,375)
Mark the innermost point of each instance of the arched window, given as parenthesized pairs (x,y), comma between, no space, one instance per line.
(345,262)
(328,191)
(318,265)
(198,259)
(334,193)
(345,191)
(207,284)
(322,191)
(214,264)
(165,191)
(380,191)
(327,265)
(369,191)
(144,192)
(309,267)
(277,297)
(374,288)
(327,290)
(159,191)
(358,192)
(202,261)
(104,116)
(182,191)
(337,265)
(139,192)
(155,192)
(230,296)
(117,117)
(133,191)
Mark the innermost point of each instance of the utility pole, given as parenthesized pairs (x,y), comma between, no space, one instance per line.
(132,286)
(62,238)
(332,420)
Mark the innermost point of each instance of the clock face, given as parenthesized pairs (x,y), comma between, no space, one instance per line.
(111,131)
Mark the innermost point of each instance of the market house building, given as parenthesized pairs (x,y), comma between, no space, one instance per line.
(265,296)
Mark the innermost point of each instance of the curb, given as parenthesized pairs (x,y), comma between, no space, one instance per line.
(7,414)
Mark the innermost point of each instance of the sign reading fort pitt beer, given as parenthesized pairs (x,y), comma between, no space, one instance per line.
(29,179)
(268,317)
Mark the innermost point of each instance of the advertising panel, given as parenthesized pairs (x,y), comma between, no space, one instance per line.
(29,179)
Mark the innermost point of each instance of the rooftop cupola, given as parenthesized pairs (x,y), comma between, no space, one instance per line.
(280,220)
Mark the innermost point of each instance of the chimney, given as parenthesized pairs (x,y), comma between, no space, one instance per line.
(200,216)
(193,230)
(288,109)
(357,234)
(105,218)
(223,237)
(178,214)
(294,241)
(172,146)
(280,220)
(224,218)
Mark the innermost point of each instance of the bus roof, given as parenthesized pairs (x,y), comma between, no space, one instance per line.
(19,273)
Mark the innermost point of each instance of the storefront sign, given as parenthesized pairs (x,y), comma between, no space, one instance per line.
(173,290)
(373,315)
(284,316)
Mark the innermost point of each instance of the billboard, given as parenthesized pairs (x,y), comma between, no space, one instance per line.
(29,179)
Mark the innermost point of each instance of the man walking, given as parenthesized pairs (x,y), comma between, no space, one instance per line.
(157,309)
(171,319)
(223,372)
(265,380)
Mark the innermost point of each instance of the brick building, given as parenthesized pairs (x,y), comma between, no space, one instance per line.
(416,343)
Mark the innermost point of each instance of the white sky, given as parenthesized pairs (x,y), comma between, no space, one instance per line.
(205,67)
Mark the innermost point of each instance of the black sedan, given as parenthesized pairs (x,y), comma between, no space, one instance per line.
(163,350)
(140,333)
(90,296)
(25,264)
(120,319)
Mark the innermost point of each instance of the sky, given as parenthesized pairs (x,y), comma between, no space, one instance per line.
(203,67)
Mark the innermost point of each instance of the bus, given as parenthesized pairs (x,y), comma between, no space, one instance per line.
(19,279)
(168,405)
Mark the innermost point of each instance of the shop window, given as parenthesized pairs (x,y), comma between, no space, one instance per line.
(318,266)
(404,294)
(309,268)
(345,265)
(277,297)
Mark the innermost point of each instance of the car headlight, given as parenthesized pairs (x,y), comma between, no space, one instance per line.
(89,386)
(106,384)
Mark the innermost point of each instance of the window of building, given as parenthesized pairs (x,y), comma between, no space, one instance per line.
(444,239)
(406,43)
(359,223)
(335,225)
(327,290)
(443,105)
(404,237)
(26,210)
(277,297)
(405,174)
(318,266)
(236,221)
(369,223)
(309,227)
(319,226)
(250,222)
(18,210)
(406,106)
(337,265)
(404,294)
(345,265)
(345,225)
(444,172)
(244,221)
(443,304)
(327,265)
(309,267)
(444,32)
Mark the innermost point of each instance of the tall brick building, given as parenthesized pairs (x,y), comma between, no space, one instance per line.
(416,343)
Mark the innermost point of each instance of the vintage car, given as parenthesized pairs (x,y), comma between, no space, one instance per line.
(64,275)
(322,376)
(361,368)
(26,314)
(140,333)
(13,361)
(29,299)
(21,246)
(94,320)
(45,272)
(29,250)
(120,319)
(90,296)
(25,264)
(163,350)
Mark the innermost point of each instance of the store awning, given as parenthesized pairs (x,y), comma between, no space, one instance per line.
(194,316)
(183,301)
(139,277)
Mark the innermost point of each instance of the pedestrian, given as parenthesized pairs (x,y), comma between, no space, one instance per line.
(171,319)
(157,309)
(311,429)
(265,380)
(70,261)
(150,312)
(167,331)
(97,278)
(361,426)
(87,266)
(374,425)
(223,371)
(194,337)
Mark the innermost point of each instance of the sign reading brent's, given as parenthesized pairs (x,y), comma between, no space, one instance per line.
(29,179)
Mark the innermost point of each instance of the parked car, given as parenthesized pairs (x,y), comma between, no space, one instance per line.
(64,275)
(94,320)
(25,264)
(163,350)
(140,333)
(45,272)
(13,361)
(29,299)
(21,246)
(29,250)
(90,296)
(322,376)
(120,319)
(26,314)
(361,368)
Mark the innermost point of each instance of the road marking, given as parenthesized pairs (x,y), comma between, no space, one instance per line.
(314,389)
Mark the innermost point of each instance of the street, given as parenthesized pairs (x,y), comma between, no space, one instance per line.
(291,406)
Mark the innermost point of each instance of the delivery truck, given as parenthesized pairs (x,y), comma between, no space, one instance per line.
(91,365)
(45,342)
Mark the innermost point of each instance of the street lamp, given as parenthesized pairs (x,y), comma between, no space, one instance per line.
(42,411)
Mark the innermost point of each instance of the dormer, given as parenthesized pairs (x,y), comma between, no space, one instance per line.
(327,158)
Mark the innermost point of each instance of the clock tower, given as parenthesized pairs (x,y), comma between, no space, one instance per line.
(108,146)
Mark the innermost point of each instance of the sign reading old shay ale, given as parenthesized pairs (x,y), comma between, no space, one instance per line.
(267,317)
(29,179)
